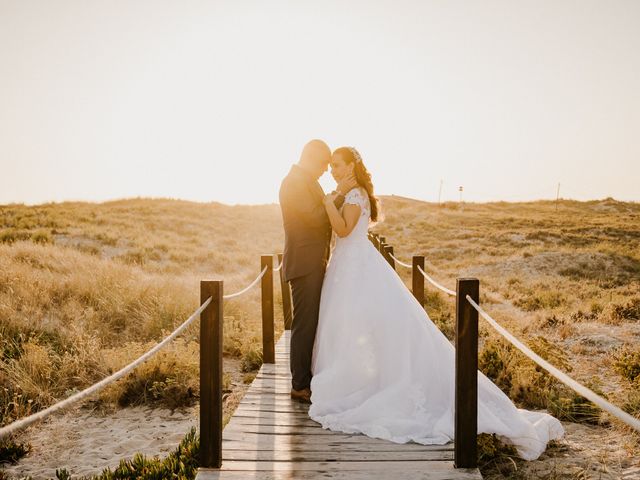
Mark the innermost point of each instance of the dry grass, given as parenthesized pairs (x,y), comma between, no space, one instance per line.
(85,288)
(111,281)
(566,281)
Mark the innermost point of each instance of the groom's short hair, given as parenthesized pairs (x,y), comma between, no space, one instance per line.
(315,151)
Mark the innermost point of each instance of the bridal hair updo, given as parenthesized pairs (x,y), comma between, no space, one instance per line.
(363,177)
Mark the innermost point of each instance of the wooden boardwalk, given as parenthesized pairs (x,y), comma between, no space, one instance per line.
(271,437)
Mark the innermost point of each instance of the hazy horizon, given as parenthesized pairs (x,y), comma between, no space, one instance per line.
(213,101)
(134,198)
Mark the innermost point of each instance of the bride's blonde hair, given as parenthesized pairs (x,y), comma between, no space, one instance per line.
(363,177)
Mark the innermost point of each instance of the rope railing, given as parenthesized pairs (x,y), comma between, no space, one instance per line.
(563,377)
(26,421)
(249,287)
(430,279)
(436,284)
(406,265)
(277,269)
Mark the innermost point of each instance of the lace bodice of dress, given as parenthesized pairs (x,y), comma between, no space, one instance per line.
(358,196)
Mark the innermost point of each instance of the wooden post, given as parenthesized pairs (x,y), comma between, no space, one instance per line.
(268,345)
(376,241)
(417,279)
(388,251)
(383,241)
(286,297)
(466,391)
(211,375)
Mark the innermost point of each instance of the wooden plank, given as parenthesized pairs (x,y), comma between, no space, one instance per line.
(368,474)
(336,455)
(273,400)
(275,421)
(238,427)
(297,475)
(337,446)
(272,381)
(266,439)
(351,470)
(270,416)
(269,409)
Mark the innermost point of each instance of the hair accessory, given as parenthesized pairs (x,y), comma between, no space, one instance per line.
(356,155)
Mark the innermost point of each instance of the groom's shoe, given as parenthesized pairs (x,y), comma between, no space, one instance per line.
(302,396)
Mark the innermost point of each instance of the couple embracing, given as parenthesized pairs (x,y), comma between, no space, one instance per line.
(364,352)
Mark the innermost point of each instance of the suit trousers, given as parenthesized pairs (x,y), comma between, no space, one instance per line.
(305,292)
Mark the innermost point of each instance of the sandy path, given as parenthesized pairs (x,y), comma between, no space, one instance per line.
(85,442)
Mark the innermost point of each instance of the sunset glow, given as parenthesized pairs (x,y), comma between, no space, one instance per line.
(213,101)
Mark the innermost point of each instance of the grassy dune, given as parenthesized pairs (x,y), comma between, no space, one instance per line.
(85,288)
(567,282)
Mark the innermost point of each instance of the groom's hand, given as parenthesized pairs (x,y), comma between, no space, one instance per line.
(330,198)
(346,184)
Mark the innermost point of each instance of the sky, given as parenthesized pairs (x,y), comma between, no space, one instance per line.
(214,100)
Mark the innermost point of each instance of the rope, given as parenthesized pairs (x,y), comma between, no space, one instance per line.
(436,284)
(406,265)
(277,269)
(24,422)
(244,290)
(563,377)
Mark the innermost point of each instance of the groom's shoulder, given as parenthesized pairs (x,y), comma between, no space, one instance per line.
(292,177)
(290,182)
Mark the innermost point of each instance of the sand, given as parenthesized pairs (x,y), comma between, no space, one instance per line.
(86,442)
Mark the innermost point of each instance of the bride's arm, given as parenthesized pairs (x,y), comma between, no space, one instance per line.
(345,223)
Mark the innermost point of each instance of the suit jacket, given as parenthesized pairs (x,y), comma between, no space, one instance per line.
(307,231)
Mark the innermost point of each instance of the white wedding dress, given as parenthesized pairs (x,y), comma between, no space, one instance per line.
(382,368)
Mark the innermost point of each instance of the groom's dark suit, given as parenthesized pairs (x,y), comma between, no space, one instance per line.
(307,235)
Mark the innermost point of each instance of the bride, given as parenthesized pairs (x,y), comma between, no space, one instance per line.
(380,366)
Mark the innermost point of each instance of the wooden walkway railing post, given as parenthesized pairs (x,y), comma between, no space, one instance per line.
(268,344)
(376,241)
(388,251)
(211,374)
(417,279)
(382,242)
(466,390)
(286,297)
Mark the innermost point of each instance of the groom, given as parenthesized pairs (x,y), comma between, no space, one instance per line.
(307,235)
